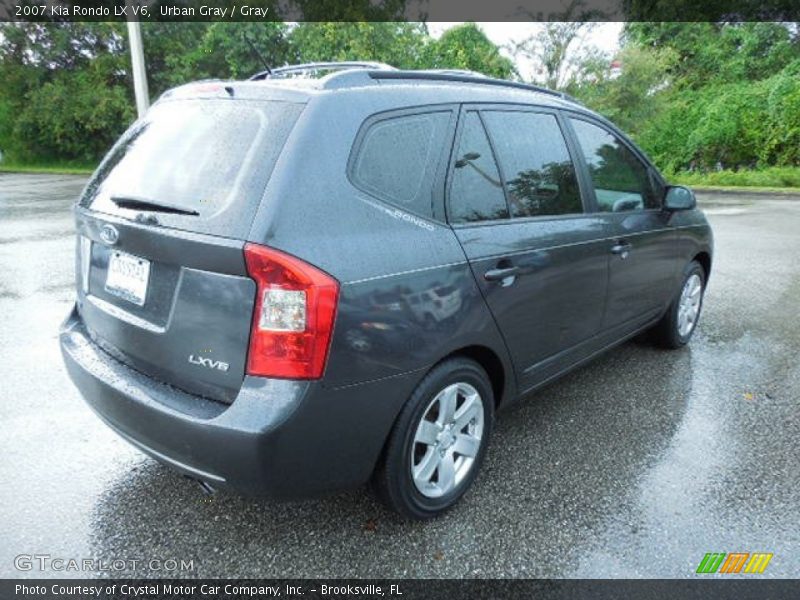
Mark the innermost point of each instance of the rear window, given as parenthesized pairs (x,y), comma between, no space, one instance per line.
(210,156)
(397,159)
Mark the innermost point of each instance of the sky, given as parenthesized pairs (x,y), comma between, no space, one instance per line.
(605,36)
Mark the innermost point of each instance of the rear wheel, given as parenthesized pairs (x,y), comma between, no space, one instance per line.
(678,324)
(438,442)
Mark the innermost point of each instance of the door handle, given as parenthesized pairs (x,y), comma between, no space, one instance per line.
(622,248)
(500,274)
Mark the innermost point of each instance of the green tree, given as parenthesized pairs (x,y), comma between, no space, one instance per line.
(177,53)
(402,45)
(235,51)
(720,52)
(467,47)
(635,93)
(67,92)
(557,52)
(65,89)
(557,48)
(732,125)
(169,49)
(731,98)
(397,43)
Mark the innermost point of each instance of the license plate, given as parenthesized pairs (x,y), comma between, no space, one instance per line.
(128,276)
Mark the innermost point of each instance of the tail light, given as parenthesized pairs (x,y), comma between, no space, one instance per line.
(294,314)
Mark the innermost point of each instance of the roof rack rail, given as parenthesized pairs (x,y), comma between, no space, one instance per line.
(462,72)
(308,69)
(466,77)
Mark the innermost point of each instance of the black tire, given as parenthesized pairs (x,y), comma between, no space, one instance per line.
(393,479)
(666,332)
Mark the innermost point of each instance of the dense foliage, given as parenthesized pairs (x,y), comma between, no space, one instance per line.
(64,91)
(67,91)
(703,96)
(696,96)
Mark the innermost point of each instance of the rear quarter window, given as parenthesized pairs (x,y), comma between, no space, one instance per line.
(396,158)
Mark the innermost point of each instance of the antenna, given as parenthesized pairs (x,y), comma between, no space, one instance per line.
(257,53)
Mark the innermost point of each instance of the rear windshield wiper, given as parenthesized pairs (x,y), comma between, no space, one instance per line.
(135,202)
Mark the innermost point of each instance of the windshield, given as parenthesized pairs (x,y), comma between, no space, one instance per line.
(210,157)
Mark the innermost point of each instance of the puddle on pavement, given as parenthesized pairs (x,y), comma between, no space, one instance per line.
(724,211)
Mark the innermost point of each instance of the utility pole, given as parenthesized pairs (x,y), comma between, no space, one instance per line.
(137,62)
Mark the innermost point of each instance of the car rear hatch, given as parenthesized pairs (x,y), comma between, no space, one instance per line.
(161,275)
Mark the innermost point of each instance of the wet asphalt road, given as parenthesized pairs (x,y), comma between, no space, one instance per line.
(634,466)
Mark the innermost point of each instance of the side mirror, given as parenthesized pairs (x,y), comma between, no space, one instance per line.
(679,197)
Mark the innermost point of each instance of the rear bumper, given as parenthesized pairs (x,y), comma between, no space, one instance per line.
(279,438)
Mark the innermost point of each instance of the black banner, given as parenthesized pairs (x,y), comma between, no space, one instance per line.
(391,10)
(110,589)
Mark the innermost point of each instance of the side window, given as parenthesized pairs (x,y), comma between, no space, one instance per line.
(539,174)
(397,159)
(621,181)
(476,192)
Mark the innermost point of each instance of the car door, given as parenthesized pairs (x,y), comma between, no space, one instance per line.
(515,204)
(627,196)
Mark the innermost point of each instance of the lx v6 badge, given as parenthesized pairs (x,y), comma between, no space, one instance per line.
(209,363)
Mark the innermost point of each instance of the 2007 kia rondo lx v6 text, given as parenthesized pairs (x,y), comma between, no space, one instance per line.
(295,284)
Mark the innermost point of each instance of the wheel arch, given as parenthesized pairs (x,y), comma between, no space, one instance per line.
(704,258)
(500,372)
(491,362)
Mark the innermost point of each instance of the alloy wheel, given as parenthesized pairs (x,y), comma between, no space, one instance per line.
(447,440)
(689,305)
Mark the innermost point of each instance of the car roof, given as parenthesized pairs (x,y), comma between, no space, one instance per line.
(407,87)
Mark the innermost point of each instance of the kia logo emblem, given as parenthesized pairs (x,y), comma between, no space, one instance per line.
(109,234)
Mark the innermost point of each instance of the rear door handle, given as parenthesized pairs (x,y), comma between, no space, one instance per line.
(501,273)
(622,248)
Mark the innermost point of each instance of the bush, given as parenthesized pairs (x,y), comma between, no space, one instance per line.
(742,125)
(768,177)
(85,131)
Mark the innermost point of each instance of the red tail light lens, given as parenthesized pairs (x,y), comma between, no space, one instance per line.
(294,315)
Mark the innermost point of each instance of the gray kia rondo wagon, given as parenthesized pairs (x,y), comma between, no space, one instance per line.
(296,283)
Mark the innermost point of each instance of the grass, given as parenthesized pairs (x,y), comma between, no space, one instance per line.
(54,168)
(786,179)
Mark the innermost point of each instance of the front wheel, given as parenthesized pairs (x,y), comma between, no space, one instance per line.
(678,324)
(438,442)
